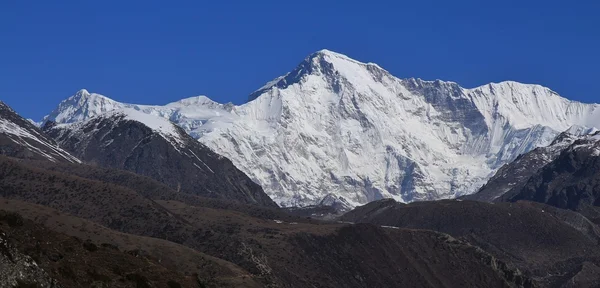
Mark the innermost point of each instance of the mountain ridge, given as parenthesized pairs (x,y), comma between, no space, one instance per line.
(332,122)
(564,174)
(155,147)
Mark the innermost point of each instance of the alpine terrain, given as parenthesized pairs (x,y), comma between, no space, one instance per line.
(108,194)
(334,125)
(66,224)
(152,146)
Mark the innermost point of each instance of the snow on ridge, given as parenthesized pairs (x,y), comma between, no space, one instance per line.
(590,142)
(527,105)
(81,106)
(19,134)
(195,111)
(196,100)
(271,83)
(160,125)
(329,53)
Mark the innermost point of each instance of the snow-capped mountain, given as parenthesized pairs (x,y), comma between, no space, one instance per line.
(155,147)
(20,138)
(189,113)
(336,125)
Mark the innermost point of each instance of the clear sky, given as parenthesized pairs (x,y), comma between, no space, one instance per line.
(155,52)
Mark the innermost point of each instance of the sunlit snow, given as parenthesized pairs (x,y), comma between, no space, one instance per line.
(354,130)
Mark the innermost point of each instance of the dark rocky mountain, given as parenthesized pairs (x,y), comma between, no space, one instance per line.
(156,148)
(571,181)
(510,178)
(20,138)
(565,174)
(260,246)
(554,247)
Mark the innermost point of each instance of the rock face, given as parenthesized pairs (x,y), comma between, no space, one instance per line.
(564,174)
(20,138)
(336,125)
(571,181)
(154,147)
(19,270)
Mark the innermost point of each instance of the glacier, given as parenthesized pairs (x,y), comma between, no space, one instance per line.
(337,126)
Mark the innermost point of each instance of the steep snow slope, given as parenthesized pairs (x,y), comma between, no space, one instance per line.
(20,138)
(336,125)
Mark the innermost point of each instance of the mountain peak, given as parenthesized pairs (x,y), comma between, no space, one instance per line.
(80,106)
(196,100)
(331,56)
(324,63)
(329,53)
(82,93)
(84,96)
(511,87)
(325,51)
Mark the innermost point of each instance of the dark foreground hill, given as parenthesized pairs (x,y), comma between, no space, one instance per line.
(552,246)
(40,257)
(235,245)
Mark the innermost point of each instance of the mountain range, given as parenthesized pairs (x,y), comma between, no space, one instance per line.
(337,127)
(200,194)
(70,224)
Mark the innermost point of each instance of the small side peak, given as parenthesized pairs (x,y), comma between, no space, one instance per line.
(327,52)
(80,106)
(515,84)
(84,95)
(195,100)
(83,92)
(323,51)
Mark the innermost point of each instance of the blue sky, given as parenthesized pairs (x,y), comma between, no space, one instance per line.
(155,52)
